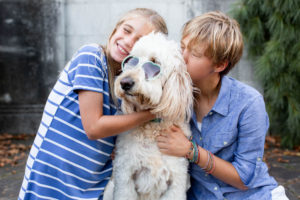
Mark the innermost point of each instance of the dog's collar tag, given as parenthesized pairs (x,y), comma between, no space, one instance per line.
(156,120)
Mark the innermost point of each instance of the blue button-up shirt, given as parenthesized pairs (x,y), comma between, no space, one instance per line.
(233,130)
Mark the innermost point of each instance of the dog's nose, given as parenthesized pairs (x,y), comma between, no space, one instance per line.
(126,83)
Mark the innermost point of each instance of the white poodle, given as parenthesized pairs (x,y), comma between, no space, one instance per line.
(154,77)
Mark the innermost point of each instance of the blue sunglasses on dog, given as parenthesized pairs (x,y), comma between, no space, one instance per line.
(151,69)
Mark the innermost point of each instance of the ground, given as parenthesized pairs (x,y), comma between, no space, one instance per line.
(284,165)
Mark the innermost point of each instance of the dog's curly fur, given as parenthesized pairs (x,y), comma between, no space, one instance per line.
(140,170)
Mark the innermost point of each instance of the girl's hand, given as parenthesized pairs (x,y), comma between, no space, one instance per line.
(173,142)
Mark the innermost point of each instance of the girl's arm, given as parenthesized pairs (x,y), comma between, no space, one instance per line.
(97,125)
(175,143)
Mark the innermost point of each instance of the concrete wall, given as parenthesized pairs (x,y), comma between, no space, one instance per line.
(43,35)
(28,61)
(93,20)
(81,26)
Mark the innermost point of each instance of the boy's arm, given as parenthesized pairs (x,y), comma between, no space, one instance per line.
(175,143)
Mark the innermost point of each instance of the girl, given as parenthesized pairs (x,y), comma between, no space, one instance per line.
(70,156)
(229,122)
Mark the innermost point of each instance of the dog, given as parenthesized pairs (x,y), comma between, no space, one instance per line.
(154,78)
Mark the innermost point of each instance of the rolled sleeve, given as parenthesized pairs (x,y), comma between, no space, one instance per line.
(253,125)
(87,68)
(88,74)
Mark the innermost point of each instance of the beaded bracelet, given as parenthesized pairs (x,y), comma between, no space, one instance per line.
(195,150)
(190,151)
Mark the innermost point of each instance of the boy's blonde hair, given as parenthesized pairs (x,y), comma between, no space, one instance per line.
(220,35)
(154,19)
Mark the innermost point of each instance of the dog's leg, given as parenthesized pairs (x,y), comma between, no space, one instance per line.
(124,190)
(178,183)
(177,189)
(109,190)
(124,184)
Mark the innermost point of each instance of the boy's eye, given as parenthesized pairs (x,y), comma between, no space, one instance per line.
(126,30)
(196,53)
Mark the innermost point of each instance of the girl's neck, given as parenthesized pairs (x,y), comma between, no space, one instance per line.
(114,67)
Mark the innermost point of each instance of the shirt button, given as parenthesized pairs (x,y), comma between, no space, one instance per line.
(206,175)
(258,159)
(215,188)
(210,113)
(225,143)
(200,138)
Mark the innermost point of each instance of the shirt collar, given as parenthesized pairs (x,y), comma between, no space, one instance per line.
(222,104)
(194,118)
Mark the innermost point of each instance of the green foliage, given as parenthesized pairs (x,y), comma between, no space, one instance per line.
(271,30)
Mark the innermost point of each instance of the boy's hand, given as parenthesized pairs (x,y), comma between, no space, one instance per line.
(173,142)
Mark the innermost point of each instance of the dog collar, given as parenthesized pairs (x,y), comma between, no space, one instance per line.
(156,120)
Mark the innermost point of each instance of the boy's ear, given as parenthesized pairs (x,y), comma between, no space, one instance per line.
(221,67)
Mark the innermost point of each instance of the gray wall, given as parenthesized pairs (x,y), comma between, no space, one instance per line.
(38,37)
(28,61)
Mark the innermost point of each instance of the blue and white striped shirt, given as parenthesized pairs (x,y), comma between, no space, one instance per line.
(63,163)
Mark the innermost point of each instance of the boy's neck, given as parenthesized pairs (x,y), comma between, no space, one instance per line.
(209,89)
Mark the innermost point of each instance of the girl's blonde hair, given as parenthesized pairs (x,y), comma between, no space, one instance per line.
(154,19)
(220,35)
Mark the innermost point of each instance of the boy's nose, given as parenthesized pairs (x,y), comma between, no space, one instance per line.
(185,55)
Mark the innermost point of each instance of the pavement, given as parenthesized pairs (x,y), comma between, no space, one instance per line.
(284,166)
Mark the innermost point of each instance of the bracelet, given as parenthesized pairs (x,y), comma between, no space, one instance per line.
(213,164)
(195,149)
(206,164)
(210,162)
(198,159)
(189,153)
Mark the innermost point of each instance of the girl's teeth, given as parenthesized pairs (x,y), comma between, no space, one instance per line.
(122,50)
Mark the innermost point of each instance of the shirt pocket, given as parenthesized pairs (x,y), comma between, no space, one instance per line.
(220,140)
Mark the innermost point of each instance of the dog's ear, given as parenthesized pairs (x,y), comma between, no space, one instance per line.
(177,99)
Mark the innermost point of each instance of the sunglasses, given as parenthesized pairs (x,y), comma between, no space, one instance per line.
(151,69)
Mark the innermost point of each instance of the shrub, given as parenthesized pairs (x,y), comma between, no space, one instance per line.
(271,30)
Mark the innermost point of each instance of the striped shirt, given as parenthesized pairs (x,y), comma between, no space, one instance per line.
(63,163)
